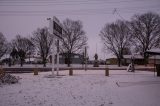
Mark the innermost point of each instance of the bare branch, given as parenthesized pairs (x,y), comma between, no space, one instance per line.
(43,41)
(74,38)
(146,30)
(116,38)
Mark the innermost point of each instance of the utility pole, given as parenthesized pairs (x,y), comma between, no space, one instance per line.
(53,44)
(57,57)
(116,11)
(85,53)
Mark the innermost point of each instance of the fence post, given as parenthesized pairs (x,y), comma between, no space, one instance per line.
(106,71)
(70,71)
(35,70)
(2,72)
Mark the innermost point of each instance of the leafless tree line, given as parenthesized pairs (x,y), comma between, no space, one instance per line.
(73,41)
(140,34)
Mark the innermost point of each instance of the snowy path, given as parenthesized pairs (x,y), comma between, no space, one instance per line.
(89,88)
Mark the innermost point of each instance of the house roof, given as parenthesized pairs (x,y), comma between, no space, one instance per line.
(153,51)
(141,57)
(135,56)
(155,57)
(111,57)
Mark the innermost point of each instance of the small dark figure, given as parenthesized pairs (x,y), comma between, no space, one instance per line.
(96,64)
(96,56)
(131,66)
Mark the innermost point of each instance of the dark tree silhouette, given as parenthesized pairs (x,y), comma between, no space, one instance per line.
(21,54)
(22,45)
(43,41)
(146,31)
(14,55)
(74,38)
(116,37)
(3,45)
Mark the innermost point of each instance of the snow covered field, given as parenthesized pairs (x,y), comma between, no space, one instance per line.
(85,88)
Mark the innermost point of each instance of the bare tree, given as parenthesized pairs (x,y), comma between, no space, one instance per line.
(116,38)
(3,45)
(43,41)
(21,46)
(146,31)
(74,38)
(14,55)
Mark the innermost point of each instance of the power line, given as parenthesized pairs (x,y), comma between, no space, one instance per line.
(52,3)
(101,2)
(122,8)
(62,1)
(81,11)
(62,12)
(85,10)
(59,14)
(50,13)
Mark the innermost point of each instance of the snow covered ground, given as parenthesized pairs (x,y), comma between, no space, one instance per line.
(85,88)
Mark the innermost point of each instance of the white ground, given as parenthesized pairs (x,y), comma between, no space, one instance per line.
(90,88)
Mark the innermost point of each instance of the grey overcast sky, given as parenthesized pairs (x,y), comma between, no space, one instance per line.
(24,16)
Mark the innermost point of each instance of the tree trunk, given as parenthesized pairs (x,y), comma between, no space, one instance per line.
(21,62)
(68,64)
(9,62)
(119,62)
(13,61)
(44,62)
(145,60)
(69,59)
(29,59)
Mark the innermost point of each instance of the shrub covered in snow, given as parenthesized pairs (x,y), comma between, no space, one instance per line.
(8,79)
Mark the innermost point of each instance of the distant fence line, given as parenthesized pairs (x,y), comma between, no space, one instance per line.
(46,69)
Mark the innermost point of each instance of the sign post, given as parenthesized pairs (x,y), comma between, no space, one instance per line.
(55,29)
